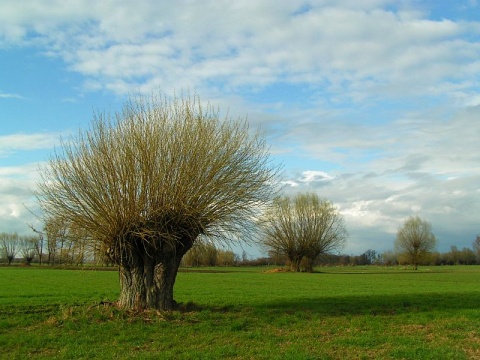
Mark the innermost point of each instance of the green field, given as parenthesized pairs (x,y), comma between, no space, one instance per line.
(245,313)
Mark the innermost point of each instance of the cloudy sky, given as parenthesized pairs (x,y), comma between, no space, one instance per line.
(373,104)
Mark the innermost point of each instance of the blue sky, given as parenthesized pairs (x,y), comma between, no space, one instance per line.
(373,104)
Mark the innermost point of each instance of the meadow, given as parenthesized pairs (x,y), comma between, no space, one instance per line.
(246,313)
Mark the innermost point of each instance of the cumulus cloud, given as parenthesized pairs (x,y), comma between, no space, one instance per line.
(356,49)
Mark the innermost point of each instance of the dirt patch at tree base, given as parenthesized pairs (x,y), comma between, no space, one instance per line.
(276,270)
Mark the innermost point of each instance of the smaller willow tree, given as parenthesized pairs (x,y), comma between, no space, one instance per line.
(9,244)
(415,240)
(302,228)
(146,182)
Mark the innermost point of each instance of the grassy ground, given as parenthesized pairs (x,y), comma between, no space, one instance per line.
(337,313)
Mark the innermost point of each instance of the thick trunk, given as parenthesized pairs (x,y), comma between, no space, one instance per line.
(295,264)
(149,285)
(147,276)
(307,264)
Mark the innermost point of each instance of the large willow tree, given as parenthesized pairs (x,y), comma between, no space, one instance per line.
(147,182)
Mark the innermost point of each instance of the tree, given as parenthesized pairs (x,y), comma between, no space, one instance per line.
(9,246)
(371,256)
(38,244)
(476,247)
(467,256)
(303,227)
(146,182)
(415,240)
(27,248)
(388,258)
(225,258)
(201,254)
(454,255)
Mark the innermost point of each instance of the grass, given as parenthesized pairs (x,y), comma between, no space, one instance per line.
(337,313)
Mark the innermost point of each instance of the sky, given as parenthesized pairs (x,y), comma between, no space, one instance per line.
(372,104)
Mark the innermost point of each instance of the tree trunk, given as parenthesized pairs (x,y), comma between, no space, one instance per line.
(149,286)
(148,277)
(295,264)
(307,264)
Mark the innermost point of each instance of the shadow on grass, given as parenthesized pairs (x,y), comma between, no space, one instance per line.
(374,305)
(350,305)
(378,304)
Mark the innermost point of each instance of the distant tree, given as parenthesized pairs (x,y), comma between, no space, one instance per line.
(476,247)
(201,254)
(244,257)
(371,256)
(146,182)
(9,245)
(276,256)
(454,255)
(467,256)
(225,257)
(54,231)
(38,244)
(415,240)
(27,248)
(211,255)
(303,227)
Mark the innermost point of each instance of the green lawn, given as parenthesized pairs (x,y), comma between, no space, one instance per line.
(245,313)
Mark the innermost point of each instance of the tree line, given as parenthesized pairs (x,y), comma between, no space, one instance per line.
(455,256)
(68,251)
(42,250)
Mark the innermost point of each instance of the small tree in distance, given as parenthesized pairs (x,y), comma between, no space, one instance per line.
(476,247)
(27,244)
(302,228)
(146,182)
(9,244)
(415,240)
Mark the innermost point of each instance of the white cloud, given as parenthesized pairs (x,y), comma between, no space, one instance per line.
(310,176)
(291,183)
(10,96)
(27,142)
(358,49)
(16,191)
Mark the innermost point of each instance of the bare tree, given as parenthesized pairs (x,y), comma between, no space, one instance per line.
(302,228)
(55,230)
(225,258)
(146,182)
(415,240)
(201,254)
(476,248)
(28,248)
(9,245)
(388,258)
(38,244)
